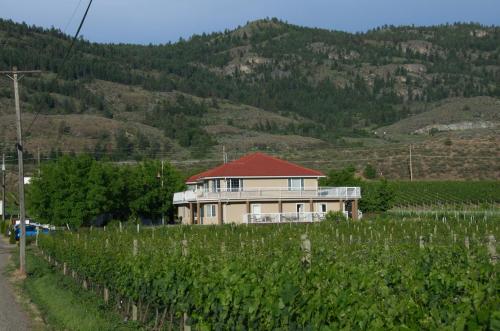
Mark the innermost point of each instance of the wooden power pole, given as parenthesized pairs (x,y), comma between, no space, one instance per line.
(14,75)
(411,167)
(3,188)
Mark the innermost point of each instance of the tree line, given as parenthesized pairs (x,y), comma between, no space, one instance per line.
(79,191)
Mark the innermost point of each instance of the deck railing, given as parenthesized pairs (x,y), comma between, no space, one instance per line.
(269,218)
(344,193)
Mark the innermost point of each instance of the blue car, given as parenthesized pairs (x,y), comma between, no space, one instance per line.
(30,231)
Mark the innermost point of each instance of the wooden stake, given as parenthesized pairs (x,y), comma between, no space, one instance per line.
(492,250)
(134,312)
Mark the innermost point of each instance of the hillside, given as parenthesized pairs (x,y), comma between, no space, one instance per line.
(307,94)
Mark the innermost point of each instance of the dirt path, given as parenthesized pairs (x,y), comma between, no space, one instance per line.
(12,316)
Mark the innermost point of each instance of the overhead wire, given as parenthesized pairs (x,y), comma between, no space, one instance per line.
(28,131)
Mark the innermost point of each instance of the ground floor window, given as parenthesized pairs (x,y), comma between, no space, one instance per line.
(211,210)
(322,207)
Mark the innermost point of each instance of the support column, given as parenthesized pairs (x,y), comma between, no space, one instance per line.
(248,211)
(311,206)
(355,210)
(191,214)
(280,210)
(219,213)
(198,213)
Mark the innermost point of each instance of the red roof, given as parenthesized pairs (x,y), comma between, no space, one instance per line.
(256,165)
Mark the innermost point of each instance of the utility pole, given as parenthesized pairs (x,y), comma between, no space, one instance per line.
(38,158)
(162,203)
(3,187)
(411,167)
(224,154)
(14,75)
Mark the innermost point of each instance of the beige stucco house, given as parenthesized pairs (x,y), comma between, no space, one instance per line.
(259,188)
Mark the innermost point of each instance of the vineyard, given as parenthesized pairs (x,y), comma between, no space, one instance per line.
(419,273)
(453,194)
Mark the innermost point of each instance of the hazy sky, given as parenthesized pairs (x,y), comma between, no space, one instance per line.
(160,21)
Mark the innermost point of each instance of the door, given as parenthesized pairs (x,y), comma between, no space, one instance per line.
(256,212)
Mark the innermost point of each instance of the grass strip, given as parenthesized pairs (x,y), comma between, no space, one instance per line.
(66,306)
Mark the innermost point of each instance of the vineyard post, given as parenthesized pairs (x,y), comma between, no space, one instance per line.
(306,250)
(421,242)
(135,247)
(138,227)
(492,249)
(467,245)
(134,312)
(121,228)
(106,295)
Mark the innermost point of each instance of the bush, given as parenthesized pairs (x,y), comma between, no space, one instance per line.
(12,236)
(370,172)
(3,227)
(335,216)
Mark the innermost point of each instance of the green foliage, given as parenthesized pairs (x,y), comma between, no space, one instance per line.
(340,81)
(74,190)
(64,304)
(230,277)
(344,177)
(376,196)
(335,216)
(12,235)
(3,227)
(445,192)
(370,172)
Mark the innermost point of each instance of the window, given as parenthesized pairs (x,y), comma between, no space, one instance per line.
(216,185)
(295,184)
(211,210)
(205,186)
(322,208)
(234,184)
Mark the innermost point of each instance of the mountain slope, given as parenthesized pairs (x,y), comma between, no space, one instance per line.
(268,85)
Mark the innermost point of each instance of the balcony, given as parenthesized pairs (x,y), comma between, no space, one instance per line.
(268,193)
(272,218)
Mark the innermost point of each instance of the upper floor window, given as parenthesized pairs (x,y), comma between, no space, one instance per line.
(216,185)
(295,184)
(234,184)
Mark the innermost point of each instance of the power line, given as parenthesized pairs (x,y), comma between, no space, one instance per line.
(64,61)
(72,15)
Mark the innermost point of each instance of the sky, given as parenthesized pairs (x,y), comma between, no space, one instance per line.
(161,21)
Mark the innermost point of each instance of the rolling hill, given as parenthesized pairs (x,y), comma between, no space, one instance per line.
(323,98)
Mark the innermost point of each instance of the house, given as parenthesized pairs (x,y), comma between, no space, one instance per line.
(259,188)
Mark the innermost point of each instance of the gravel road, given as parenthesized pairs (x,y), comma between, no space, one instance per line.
(12,317)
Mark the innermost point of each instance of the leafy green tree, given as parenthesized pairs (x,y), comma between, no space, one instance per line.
(74,190)
(343,177)
(147,196)
(370,172)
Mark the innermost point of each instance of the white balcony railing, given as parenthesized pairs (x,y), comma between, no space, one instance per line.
(343,193)
(270,218)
